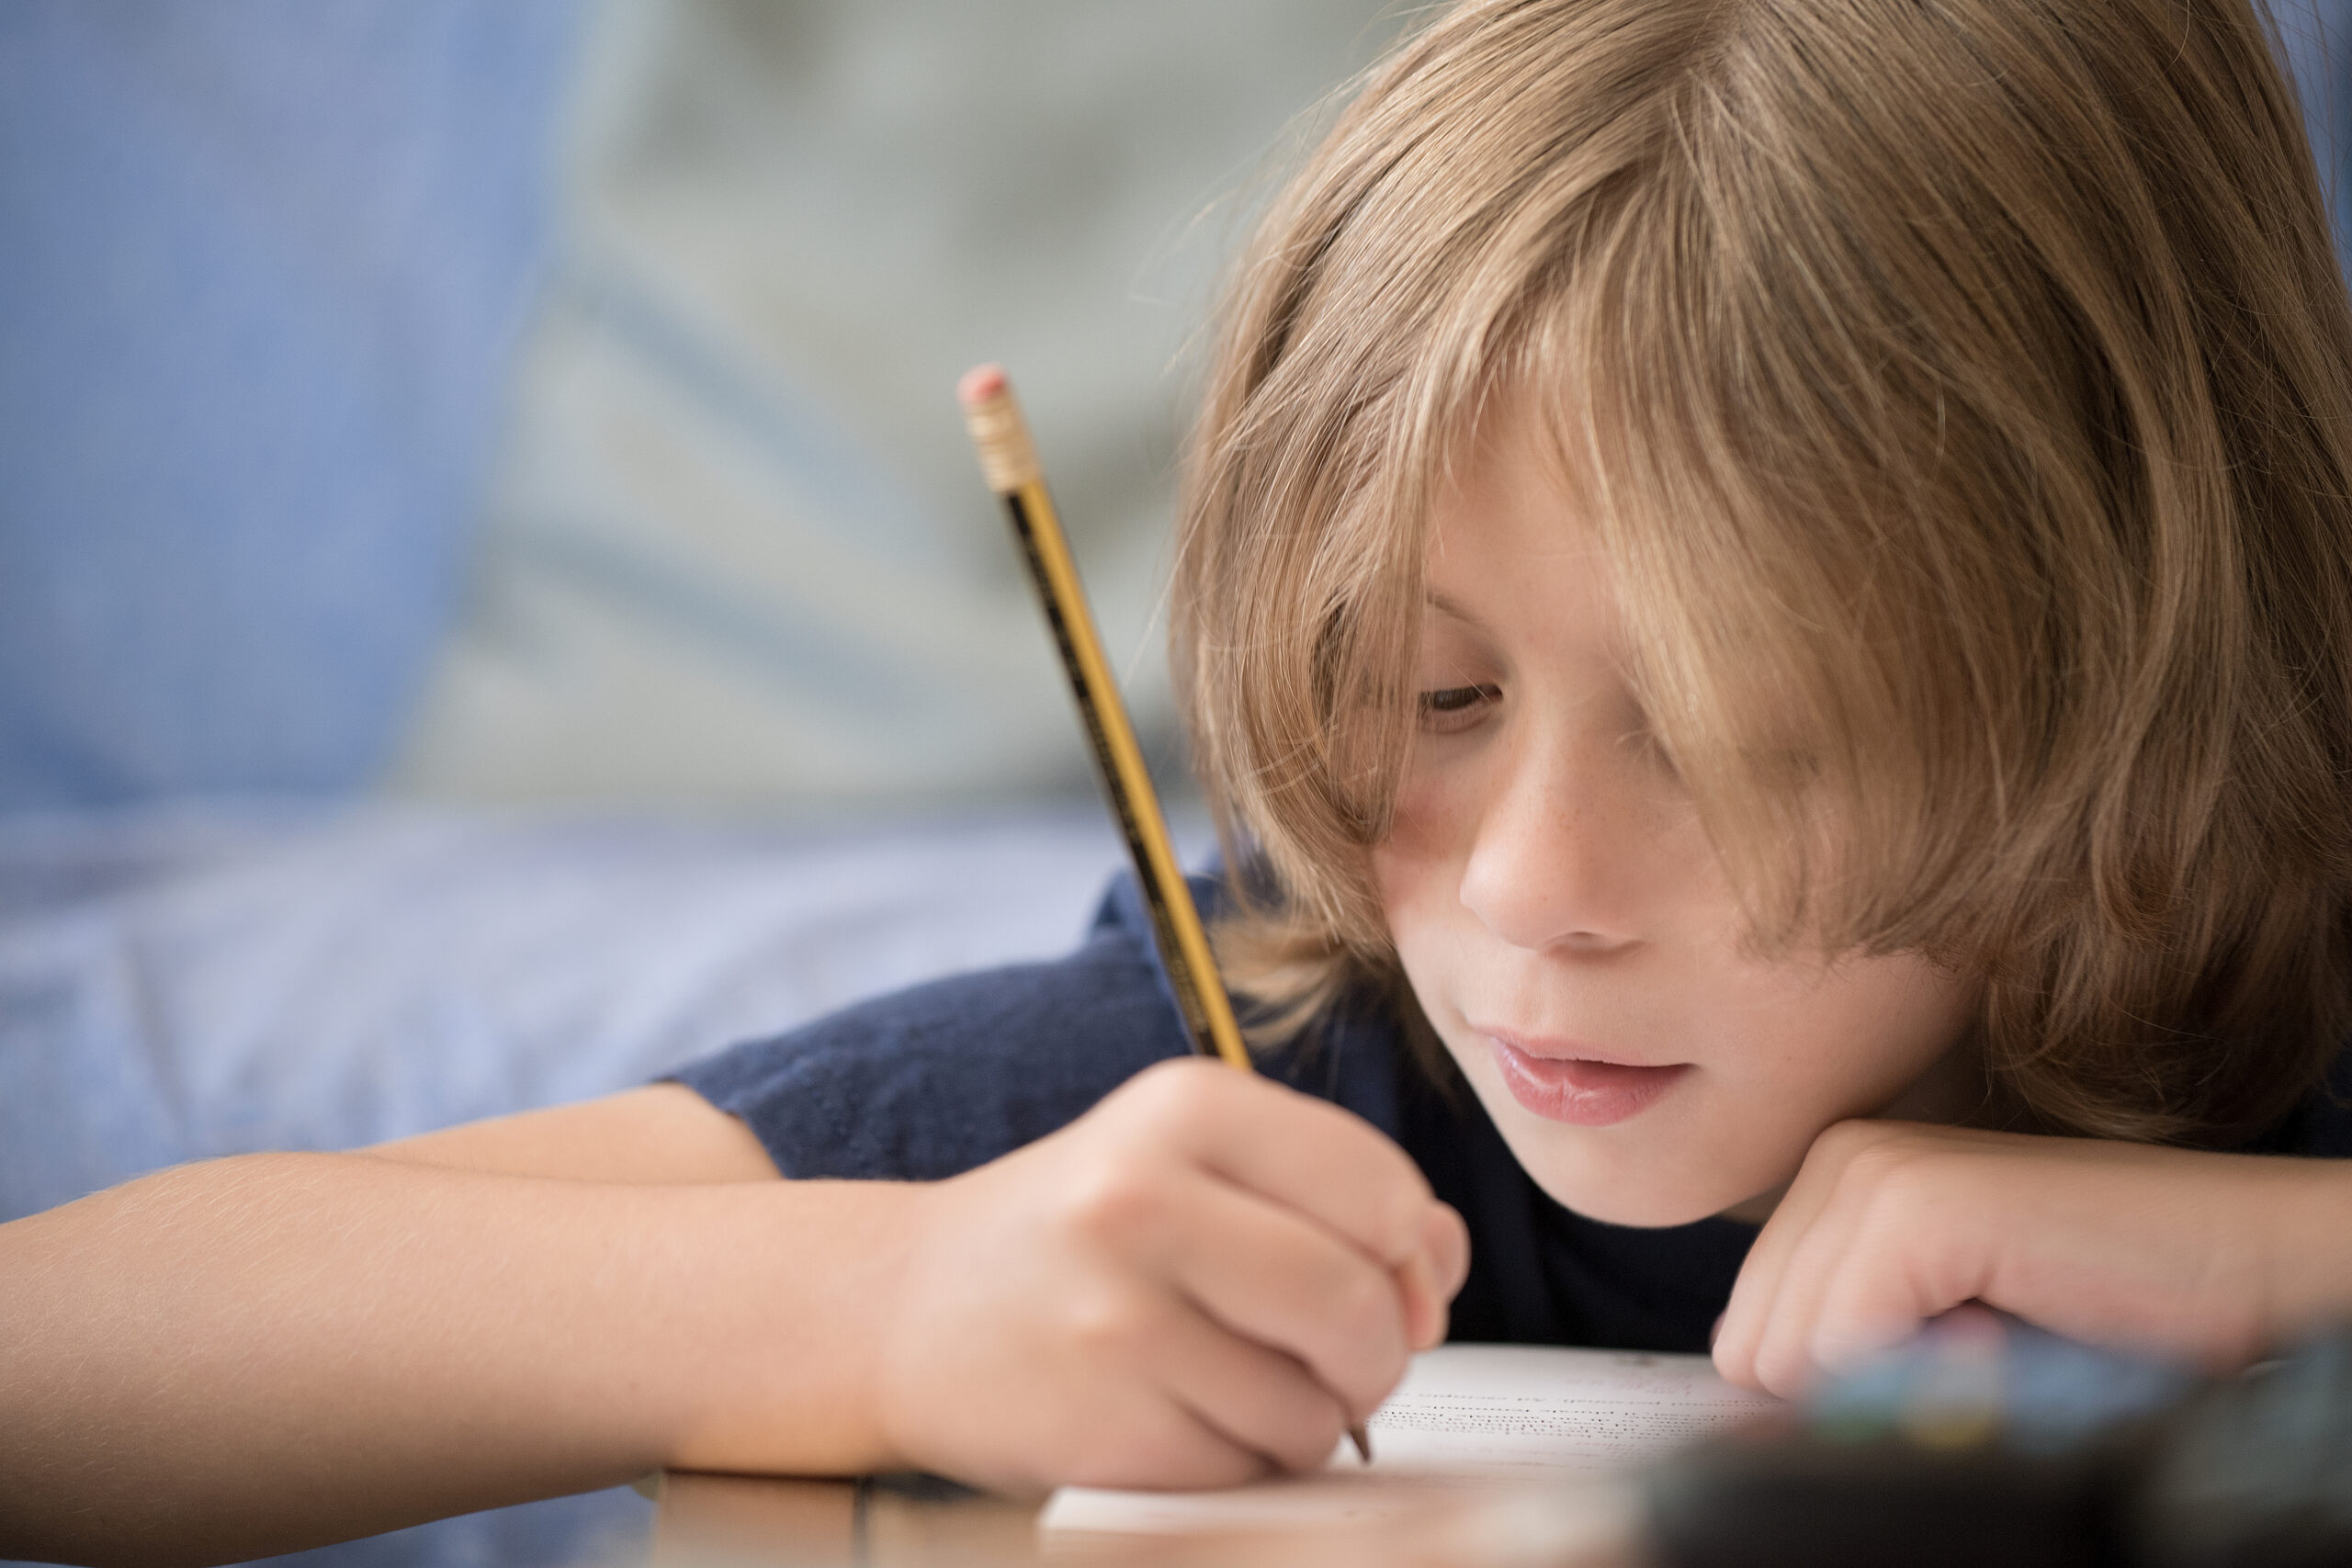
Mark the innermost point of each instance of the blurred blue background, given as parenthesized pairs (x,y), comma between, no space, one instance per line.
(386,397)
(263,268)
(549,401)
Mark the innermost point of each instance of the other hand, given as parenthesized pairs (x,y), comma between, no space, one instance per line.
(2203,1257)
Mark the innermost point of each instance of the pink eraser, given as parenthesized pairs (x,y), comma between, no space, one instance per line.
(980,383)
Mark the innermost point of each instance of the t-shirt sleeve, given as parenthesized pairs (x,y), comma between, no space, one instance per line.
(934,1081)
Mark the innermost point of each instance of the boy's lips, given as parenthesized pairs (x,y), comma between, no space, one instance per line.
(1563,1081)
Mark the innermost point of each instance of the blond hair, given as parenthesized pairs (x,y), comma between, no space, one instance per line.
(1964,395)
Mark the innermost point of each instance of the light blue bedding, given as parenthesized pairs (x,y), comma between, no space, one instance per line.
(264,264)
(175,985)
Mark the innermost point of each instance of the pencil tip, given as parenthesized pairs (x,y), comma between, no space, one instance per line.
(980,384)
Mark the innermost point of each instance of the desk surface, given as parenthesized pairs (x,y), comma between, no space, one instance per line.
(724,1521)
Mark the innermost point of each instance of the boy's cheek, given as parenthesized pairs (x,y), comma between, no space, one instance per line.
(1418,889)
(1411,860)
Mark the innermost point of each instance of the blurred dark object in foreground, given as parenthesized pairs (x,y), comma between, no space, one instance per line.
(1985,1440)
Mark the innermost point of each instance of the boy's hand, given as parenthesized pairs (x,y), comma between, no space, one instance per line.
(1206,1278)
(2205,1257)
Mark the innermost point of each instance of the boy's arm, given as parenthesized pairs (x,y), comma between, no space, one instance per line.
(256,1354)
(661,1134)
(1204,1277)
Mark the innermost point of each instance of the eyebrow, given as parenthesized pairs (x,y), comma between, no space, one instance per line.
(1445,606)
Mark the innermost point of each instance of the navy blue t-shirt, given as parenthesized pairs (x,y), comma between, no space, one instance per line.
(930,1082)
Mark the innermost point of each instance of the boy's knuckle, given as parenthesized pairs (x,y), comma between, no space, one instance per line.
(1906,1180)
(1913,1174)
(1138,1087)
(1197,1088)
(1843,1142)
(1115,1203)
(1174,1095)
(1110,1326)
(1180,1075)
(1873,1160)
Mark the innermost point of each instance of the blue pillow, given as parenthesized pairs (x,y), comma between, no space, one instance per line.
(263,265)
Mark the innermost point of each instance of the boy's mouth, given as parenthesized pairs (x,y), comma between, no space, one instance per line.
(1557,1081)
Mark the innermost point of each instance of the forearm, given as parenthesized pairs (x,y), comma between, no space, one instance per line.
(2306,1222)
(251,1355)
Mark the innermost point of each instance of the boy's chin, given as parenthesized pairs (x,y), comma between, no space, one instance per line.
(1638,1198)
(1651,1176)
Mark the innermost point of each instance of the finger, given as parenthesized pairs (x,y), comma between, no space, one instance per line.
(1888,1249)
(1739,1332)
(1431,1280)
(1447,1239)
(1326,1162)
(1424,1308)
(1100,1403)
(1274,1276)
(1256,1397)
(1772,1285)
(1783,1361)
(1915,1254)
(1153,1439)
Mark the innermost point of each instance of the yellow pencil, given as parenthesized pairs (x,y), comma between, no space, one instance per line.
(1009,461)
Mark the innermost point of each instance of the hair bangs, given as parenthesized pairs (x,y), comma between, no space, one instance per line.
(1962,396)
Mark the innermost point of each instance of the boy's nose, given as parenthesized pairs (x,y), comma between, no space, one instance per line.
(1557,859)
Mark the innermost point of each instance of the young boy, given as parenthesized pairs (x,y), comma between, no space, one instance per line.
(1765,591)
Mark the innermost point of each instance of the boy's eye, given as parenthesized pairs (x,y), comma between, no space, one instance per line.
(1456,707)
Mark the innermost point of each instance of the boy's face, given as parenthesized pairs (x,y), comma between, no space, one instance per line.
(1563,919)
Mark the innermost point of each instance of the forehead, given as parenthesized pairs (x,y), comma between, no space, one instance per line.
(1510,536)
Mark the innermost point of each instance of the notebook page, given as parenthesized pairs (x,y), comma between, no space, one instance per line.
(1481,1412)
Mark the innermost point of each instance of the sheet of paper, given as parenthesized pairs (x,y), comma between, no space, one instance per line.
(1495,1413)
